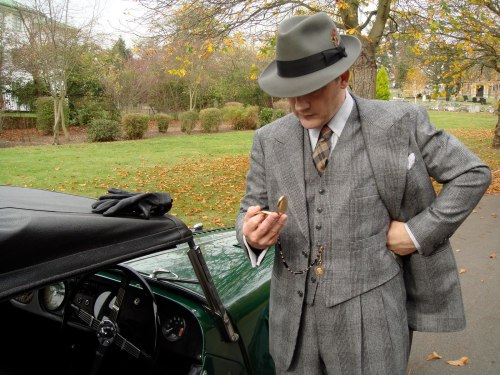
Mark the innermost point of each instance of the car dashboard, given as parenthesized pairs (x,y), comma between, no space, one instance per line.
(179,338)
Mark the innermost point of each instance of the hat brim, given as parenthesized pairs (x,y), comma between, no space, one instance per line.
(274,85)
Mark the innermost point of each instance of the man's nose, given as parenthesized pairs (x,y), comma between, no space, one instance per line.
(301,103)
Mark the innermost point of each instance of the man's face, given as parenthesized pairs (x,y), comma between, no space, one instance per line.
(318,107)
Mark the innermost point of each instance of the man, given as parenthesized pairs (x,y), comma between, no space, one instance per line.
(361,209)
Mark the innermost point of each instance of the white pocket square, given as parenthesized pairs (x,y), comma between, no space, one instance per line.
(411,160)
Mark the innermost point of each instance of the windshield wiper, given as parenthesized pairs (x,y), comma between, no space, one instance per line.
(157,274)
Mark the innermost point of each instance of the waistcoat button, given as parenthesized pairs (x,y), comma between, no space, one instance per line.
(321,191)
(300,293)
(318,226)
(319,209)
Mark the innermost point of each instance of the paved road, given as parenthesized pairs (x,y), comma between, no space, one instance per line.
(477,238)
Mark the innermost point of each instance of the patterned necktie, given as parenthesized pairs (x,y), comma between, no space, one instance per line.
(322,149)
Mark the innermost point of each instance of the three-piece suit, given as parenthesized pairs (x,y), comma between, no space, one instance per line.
(380,170)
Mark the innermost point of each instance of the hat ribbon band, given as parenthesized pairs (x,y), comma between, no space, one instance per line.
(310,64)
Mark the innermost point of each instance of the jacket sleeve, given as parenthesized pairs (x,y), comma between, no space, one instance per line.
(255,195)
(464,176)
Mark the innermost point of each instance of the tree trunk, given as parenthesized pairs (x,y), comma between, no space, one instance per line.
(364,71)
(62,99)
(56,122)
(496,137)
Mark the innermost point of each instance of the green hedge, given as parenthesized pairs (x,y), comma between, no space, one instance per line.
(268,115)
(101,130)
(163,121)
(210,119)
(17,121)
(188,121)
(135,125)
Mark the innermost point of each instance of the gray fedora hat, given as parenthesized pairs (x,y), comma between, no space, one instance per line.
(309,54)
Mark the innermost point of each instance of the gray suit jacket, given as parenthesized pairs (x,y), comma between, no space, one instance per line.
(404,151)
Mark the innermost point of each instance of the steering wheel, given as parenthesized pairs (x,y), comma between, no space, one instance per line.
(107,327)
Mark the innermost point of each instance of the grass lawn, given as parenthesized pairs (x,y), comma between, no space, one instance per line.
(204,173)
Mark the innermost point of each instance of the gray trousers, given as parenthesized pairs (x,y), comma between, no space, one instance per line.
(365,335)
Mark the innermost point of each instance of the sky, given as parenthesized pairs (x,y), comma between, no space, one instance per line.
(114,17)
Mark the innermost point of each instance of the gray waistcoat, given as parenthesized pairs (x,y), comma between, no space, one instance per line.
(347,216)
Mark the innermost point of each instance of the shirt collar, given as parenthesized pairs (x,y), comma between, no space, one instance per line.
(338,121)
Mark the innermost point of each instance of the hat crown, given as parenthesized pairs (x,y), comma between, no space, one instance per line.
(303,36)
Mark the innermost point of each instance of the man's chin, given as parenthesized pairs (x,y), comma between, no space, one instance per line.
(310,123)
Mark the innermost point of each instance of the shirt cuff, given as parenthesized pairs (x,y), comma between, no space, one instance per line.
(414,240)
(255,259)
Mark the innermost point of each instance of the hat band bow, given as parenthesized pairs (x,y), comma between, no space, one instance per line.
(310,64)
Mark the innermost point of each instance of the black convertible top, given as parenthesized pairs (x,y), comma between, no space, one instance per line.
(46,236)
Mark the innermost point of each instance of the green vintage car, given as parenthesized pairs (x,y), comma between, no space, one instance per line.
(82,293)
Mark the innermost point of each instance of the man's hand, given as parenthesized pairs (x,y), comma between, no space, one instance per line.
(262,230)
(398,239)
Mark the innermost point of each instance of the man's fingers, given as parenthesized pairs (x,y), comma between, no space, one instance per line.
(262,231)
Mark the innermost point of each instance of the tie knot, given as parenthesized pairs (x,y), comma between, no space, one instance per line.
(325,133)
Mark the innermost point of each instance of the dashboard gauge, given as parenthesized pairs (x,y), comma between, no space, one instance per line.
(24,298)
(174,328)
(53,296)
(103,304)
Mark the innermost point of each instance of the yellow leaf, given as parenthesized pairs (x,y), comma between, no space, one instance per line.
(459,362)
(433,355)
(493,255)
(462,270)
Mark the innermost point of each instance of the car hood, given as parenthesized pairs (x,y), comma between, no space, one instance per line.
(46,236)
(230,269)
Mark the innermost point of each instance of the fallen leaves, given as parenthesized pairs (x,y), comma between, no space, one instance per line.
(432,356)
(459,362)
(493,255)
(462,270)
(207,190)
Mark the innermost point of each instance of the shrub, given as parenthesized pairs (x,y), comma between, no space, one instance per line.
(101,130)
(233,104)
(135,125)
(268,115)
(231,113)
(211,119)
(248,119)
(45,114)
(188,121)
(283,105)
(382,85)
(163,121)
(88,110)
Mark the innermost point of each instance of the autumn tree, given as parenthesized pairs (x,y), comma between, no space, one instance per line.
(51,49)
(415,82)
(463,34)
(258,19)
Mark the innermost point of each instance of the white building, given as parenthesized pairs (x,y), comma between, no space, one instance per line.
(11,33)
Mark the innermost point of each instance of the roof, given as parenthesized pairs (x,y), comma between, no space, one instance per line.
(46,236)
(8,3)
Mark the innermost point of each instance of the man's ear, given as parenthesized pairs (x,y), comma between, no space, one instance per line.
(344,79)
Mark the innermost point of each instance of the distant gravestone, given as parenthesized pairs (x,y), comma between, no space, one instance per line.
(474,108)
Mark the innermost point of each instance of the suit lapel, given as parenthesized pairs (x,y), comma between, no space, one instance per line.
(290,170)
(386,141)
